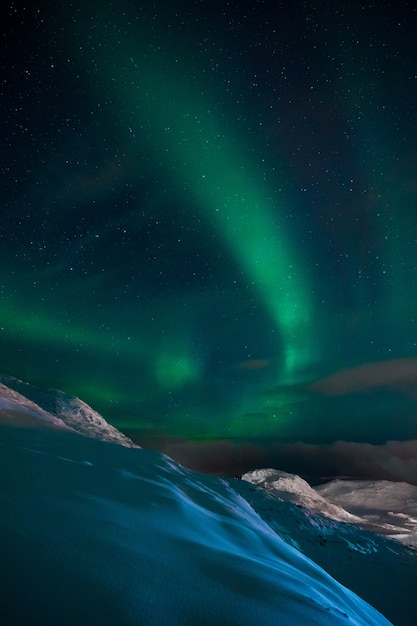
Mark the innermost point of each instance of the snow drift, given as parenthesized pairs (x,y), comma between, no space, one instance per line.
(94,532)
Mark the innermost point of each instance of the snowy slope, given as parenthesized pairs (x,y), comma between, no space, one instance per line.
(70,410)
(16,409)
(382,506)
(390,505)
(293,488)
(382,571)
(86,513)
(93,532)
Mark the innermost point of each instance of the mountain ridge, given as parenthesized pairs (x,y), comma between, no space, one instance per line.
(61,409)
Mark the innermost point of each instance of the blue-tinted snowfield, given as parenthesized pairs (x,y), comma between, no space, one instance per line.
(94,532)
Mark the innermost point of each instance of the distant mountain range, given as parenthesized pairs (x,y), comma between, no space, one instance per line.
(382,506)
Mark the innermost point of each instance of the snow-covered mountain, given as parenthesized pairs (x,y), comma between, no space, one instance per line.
(385,507)
(293,488)
(380,570)
(96,532)
(55,406)
(92,532)
(392,506)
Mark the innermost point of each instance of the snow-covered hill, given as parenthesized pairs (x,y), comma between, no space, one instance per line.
(385,507)
(392,506)
(53,405)
(92,532)
(380,570)
(15,409)
(293,488)
(95,532)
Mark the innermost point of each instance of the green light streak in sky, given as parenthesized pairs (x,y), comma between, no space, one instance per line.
(23,323)
(194,146)
(173,366)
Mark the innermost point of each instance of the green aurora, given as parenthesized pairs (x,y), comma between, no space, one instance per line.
(204,230)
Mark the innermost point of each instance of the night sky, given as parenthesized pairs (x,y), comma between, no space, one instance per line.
(209,225)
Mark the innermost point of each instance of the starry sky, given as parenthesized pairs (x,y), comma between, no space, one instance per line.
(209,225)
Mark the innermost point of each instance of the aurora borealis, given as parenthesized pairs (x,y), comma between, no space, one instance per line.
(209,207)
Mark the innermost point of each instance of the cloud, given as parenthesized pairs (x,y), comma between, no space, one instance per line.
(394,460)
(401,374)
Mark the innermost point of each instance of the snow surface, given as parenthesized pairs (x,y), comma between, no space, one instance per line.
(382,506)
(293,488)
(56,406)
(380,570)
(93,532)
(15,408)
(390,505)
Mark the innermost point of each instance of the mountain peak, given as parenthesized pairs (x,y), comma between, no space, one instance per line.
(54,407)
(293,488)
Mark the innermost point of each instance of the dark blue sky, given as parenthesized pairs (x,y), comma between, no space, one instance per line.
(207,208)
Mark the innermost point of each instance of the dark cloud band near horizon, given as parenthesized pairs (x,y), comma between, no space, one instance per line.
(395,460)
